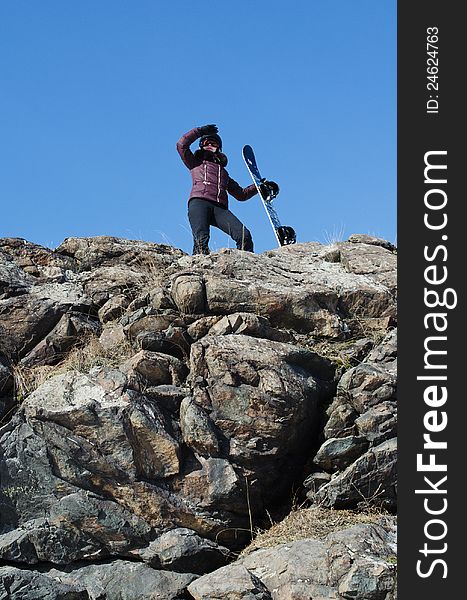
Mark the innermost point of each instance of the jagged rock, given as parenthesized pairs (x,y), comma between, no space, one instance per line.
(234,582)
(127,429)
(371,259)
(174,341)
(365,406)
(78,526)
(385,353)
(213,415)
(263,397)
(123,580)
(108,251)
(168,397)
(248,324)
(156,452)
(18,584)
(42,263)
(341,421)
(146,321)
(354,563)
(362,238)
(338,453)
(153,368)
(201,327)
(104,283)
(112,336)
(183,550)
(27,318)
(71,329)
(378,423)
(367,385)
(13,280)
(371,479)
(304,296)
(159,298)
(356,352)
(198,430)
(215,485)
(113,308)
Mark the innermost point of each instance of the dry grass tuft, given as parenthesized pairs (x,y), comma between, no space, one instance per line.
(314,522)
(83,357)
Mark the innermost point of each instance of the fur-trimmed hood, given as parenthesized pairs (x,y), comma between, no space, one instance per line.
(215,157)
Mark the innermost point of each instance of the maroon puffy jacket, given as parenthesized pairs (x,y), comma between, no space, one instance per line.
(211,180)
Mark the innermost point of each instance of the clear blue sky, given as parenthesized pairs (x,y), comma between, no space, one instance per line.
(95,93)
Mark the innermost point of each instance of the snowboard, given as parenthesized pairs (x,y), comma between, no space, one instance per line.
(284,235)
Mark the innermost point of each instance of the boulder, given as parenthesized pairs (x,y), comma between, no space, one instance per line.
(263,397)
(18,584)
(360,446)
(184,551)
(357,563)
(370,480)
(124,580)
(233,582)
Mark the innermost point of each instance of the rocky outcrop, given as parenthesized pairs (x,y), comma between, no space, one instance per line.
(157,406)
(358,562)
(360,450)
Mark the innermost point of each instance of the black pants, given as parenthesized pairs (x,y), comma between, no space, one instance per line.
(203,213)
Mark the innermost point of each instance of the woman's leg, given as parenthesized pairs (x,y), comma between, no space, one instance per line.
(200,215)
(228,223)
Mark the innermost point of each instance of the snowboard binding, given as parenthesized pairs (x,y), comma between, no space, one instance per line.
(286,235)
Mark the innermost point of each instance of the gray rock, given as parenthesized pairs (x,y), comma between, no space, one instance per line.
(201,326)
(106,251)
(366,385)
(229,583)
(113,308)
(378,423)
(41,263)
(70,330)
(27,318)
(198,430)
(18,584)
(104,464)
(124,580)
(263,397)
(153,368)
(341,419)
(370,480)
(362,238)
(307,294)
(184,551)
(112,336)
(248,324)
(357,562)
(338,453)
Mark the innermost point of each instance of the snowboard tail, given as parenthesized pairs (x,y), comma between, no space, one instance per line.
(285,235)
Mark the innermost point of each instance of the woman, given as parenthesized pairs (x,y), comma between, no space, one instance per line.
(208,203)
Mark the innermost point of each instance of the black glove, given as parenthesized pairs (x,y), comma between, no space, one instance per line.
(269,188)
(208,129)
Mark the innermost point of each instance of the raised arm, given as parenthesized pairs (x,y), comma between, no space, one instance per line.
(183,146)
(184,143)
